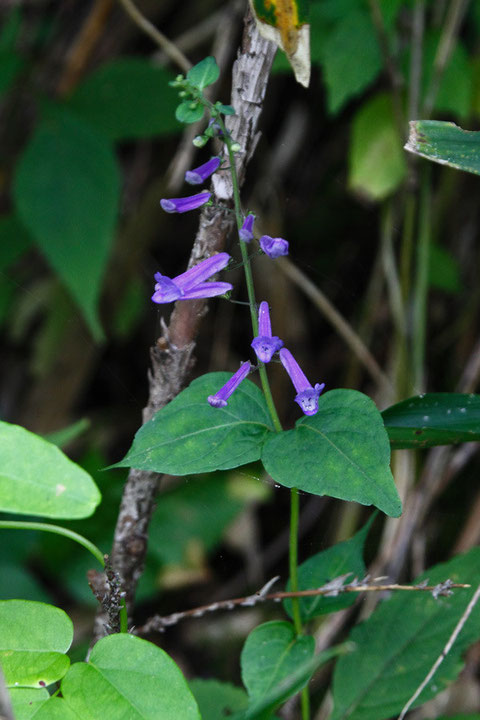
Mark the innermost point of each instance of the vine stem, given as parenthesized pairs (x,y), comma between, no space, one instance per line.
(57,530)
(294,497)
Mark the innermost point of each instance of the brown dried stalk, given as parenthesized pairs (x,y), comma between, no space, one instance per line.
(172,356)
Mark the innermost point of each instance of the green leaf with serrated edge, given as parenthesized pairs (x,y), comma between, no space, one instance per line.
(217,700)
(70,162)
(188,112)
(127,98)
(287,687)
(188,436)
(36,478)
(34,638)
(345,558)
(27,701)
(130,678)
(445,143)
(204,73)
(433,419)
(342,451)
(377,163)
(396,647)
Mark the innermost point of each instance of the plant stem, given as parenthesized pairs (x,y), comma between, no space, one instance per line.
(57,530)
(421,283)
(294,498)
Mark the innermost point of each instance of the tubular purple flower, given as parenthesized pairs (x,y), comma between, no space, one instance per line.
(220,398)
(181,205)
(191,284)
(273,247)
(198,175)
(307,396)
(246,231)
(265,344)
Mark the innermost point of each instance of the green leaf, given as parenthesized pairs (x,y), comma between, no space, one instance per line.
(26,701)
(353,37)
(433,419)
(14,240)
(225,109)
(444,270)
(272,652)
(36,478)
(342,451)
(68,434)
(127,98)
(66,192)
(189,436)
(377,162)
(196,512)
(297,678)
(217,700)
(341,559)
(456,86)
(34,638)
(57,709)
(127,677)
(445,143)
(204,73)
(396,647)
(189,112)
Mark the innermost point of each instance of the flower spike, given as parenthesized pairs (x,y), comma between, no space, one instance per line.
(191,284)
(246,231)
(220,398)
(181,205)
(273,247)
(198,175)
(307,396)
(265,344)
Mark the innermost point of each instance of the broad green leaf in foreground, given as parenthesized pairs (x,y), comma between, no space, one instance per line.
(34,638)
(127,677)
(188,436)
(36,478)
(433,419)
(271,653)
(445,143)
(345,558)
(342,451)
(217,700)
(262,707)
(396,647)
(26,701)
(127,98)
(66,192)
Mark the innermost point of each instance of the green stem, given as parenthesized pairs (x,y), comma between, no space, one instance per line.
(421,283)
(294,498)
(123,616)
(57,530)
(293,556)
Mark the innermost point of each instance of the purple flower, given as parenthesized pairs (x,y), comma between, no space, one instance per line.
(220,398)
(246,231)
(307,396)
(265,345)
(181,205)
(273,247)
(198,175)
(191,285)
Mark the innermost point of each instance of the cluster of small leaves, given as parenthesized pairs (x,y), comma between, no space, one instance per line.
(193,102)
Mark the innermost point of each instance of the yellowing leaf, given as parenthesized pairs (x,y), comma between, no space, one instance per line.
(284,22)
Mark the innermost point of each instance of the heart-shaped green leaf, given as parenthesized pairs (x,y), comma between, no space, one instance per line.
(342,451)
(188,436)
(34,638)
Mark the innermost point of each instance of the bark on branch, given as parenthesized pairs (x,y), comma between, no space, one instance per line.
(172,357)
